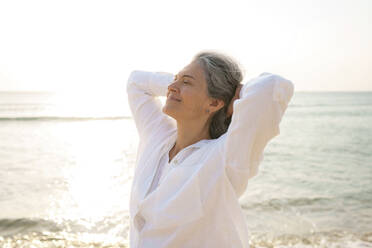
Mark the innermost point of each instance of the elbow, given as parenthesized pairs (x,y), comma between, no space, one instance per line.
(283,90)
(132,79)
(282,93)
(132,76)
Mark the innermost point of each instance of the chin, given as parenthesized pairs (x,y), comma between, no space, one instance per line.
(166,110)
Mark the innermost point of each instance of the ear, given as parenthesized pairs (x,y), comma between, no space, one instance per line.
(215,105)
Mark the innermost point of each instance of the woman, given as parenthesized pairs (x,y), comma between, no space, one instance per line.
(197,152)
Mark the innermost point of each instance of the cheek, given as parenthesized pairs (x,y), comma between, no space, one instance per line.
(194,103)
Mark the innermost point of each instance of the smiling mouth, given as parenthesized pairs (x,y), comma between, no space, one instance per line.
(174,99)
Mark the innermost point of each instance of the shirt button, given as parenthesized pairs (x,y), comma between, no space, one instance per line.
(139,222)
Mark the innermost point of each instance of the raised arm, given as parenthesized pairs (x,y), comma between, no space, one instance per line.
(143,87)
(255,121)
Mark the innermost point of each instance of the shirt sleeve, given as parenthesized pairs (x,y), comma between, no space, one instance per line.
(255,121)
(143,87)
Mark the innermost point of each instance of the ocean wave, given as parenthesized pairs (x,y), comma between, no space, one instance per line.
(10,227)
(334,238)
(19,226)
(277,204)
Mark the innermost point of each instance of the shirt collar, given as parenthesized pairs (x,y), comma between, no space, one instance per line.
(199,144)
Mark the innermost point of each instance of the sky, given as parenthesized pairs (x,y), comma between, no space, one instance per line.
(90,47)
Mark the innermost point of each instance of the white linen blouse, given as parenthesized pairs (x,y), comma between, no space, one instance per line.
(196,203)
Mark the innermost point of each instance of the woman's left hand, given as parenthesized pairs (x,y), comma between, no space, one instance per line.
(230,108)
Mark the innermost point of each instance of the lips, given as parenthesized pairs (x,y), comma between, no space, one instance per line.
(174,99)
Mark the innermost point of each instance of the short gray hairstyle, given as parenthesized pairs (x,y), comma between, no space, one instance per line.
(223,74)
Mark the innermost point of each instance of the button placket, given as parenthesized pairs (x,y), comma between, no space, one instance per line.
(175,160)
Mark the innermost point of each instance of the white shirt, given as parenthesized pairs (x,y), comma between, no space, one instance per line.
(165,166)
(196,202)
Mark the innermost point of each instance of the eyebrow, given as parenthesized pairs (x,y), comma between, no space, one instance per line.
(186,76)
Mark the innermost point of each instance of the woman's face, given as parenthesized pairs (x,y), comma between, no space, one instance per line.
(187,97)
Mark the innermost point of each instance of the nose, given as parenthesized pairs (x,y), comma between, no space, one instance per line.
(173,87)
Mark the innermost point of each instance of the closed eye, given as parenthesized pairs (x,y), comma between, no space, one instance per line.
(175,78)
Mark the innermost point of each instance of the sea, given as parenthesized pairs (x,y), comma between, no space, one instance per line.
(66,166)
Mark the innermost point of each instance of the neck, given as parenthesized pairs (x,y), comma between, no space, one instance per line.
(189,133)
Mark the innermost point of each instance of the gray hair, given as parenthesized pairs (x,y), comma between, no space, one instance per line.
(223,74)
